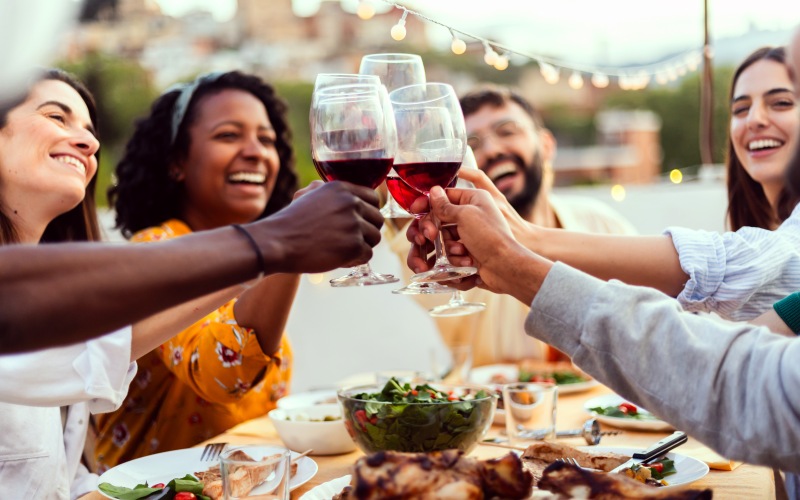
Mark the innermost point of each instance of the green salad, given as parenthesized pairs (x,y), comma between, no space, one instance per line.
(186,487)
(417,419)
(623,410)
(559,378)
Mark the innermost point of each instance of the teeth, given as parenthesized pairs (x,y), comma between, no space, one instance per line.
(763,144)
(501,170)
(249,177)
(69,160)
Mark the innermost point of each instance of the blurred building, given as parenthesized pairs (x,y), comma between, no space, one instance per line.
(628,151)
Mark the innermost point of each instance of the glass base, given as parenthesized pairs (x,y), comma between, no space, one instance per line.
(357,278)
(444,273)
(422,289)
(457,309)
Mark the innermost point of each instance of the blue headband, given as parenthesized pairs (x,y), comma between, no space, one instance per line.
(187,90)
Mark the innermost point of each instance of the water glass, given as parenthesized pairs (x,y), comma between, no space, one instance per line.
(266,476)
(530,410)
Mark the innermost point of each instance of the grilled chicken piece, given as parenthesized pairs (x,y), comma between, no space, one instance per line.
(540,455)
(569,481)
(243,479)
(440,475)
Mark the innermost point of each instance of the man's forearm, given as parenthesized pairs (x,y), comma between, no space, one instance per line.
(60,294)
(733,386)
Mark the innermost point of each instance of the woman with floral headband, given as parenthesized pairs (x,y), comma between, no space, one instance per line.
(211,153)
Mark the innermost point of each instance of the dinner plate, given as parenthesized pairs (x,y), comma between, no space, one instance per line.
(164,467)
(326,491)
(304,399)
(483,375)
(688,469)
(621,422)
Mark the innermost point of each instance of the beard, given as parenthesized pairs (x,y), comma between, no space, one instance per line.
(533,173)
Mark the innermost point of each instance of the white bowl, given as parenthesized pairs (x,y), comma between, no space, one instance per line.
(325,438)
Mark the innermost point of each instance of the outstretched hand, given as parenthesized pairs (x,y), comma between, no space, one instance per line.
(327,226)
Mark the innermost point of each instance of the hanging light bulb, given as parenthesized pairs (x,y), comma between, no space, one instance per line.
(399,30)
(549,72)
(365,10)
(600,80)
(490,56)
(618,192)
(501,63)
(575,81)
(458,46)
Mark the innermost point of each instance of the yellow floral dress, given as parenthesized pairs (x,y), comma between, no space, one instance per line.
(205,380)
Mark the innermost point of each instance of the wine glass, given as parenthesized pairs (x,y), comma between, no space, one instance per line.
(354,140)
(394,71)
(431,140)
(405,196)
(457,305)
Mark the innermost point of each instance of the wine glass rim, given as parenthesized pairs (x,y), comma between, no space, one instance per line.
(392,57)
(402,90)
(349,75)
(341,90)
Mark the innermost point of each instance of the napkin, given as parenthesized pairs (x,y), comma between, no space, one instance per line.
(710,457)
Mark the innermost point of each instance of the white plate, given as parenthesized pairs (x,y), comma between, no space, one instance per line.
(310,398)
(164,467)
(326,491)
(624,423)
(688,469)
(483,375)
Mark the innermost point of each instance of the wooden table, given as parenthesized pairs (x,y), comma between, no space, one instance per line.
(745,482)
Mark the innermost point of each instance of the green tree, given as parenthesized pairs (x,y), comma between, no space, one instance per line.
(298,97)
(124,92)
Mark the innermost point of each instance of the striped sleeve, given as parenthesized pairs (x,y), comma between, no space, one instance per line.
(738,275)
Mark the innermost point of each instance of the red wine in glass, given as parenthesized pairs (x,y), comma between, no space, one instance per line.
(369,172)
(404,194)
(424,175)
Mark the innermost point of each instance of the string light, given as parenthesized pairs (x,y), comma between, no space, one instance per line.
(365,10)
(399,30)
(490,56)
(618,192)
(458,46)
(575,81)
(629,78)
(676,176)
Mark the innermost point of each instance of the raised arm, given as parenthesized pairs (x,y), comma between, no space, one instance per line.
(63,293)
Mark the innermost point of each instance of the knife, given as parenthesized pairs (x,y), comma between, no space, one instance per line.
(670,442)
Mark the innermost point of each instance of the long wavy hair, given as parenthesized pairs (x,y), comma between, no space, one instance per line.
(80,223)
(747,203)
(145,193)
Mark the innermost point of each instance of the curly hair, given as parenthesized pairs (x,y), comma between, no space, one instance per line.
(145,193)
(747,203)
(79,223)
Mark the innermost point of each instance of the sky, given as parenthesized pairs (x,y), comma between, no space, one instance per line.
(602,32)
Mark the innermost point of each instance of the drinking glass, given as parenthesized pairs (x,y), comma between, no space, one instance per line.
(457,305)
(394,71)
(354,139)
(405,196)
(265,476)
(530,410)
(431,140)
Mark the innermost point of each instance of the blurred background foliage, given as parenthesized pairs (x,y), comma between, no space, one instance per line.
(124,92)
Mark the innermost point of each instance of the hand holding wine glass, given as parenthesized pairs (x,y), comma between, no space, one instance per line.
(431,144)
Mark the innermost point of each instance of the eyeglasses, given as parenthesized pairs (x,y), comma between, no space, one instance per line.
(502,131)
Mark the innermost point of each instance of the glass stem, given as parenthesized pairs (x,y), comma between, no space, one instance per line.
(363,269)
(456,299)
(438,243)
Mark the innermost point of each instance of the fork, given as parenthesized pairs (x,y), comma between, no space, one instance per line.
(212,451)
(572,461)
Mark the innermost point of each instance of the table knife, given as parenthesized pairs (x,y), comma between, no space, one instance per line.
(658,449)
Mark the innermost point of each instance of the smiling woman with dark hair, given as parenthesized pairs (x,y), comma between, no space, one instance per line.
(211,153)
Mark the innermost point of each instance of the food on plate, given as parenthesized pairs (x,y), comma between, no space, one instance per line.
(416,419)
(445,474)
(624,410)
(184,488)
(538,456)
(549,377)
(569,481)
(303,417)
(243,479)
(652,473)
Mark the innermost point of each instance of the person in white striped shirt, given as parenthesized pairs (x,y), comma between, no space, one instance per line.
(738,274)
